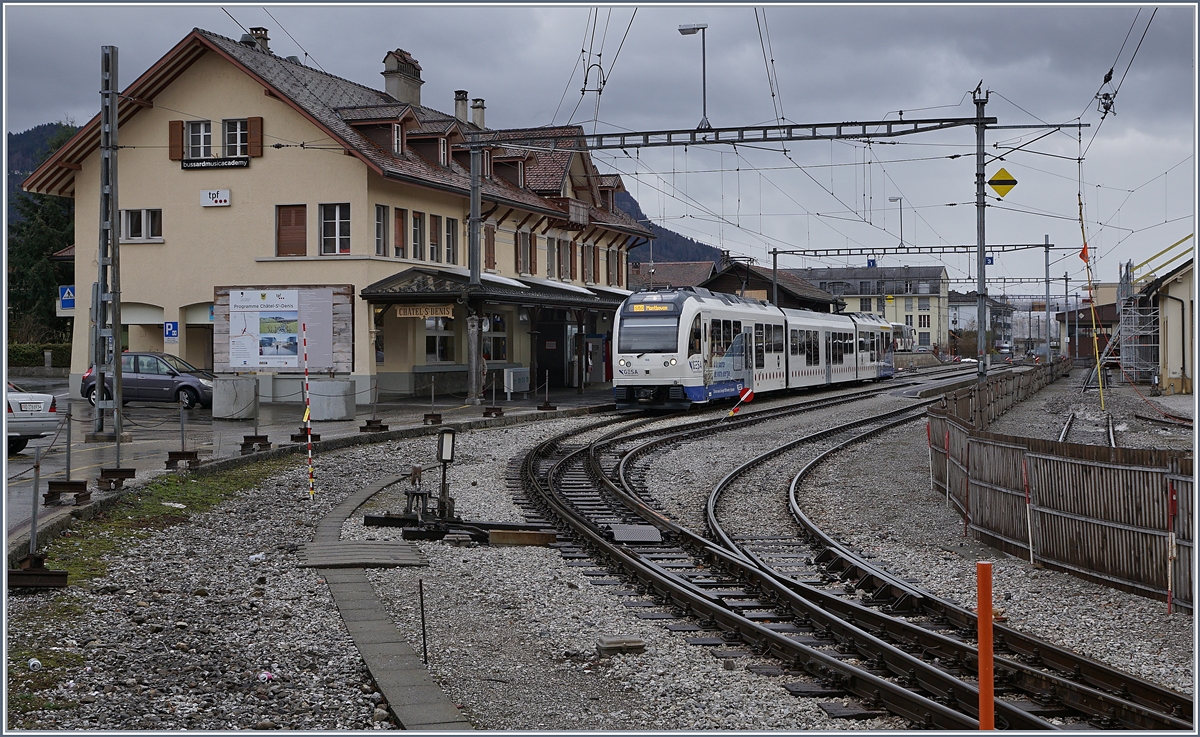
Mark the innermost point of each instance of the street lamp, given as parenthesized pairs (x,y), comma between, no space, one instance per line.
(690,30)
(901,201)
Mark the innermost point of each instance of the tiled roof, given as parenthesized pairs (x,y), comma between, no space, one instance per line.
(866,273)
(421,283)
(796,283)
(66,254)
(612,181)
(670,273)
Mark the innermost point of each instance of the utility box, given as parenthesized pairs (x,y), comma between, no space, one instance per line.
(516,380)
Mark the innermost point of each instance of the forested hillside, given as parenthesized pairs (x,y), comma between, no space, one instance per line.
(669,245)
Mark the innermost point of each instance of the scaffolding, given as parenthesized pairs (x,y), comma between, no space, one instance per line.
(1137,331)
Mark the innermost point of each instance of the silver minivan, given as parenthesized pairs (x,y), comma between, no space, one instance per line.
(155,377)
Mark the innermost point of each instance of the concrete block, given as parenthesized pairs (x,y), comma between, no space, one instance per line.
(331,399)
(235,398)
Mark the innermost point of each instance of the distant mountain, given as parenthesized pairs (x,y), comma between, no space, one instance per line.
(25,152)
(669,245)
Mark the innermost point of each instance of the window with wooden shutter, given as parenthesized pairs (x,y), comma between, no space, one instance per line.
(533,253)
(255,143)
(175,140)
(489,247)
(291,230)
(401,227)
(520,241)
(574,267)
(595,264)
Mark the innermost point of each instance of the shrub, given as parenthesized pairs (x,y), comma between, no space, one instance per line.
(30,354)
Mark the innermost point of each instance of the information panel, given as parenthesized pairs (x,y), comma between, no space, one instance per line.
(264,328)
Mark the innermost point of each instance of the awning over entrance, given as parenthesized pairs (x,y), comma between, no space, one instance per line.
(422,285)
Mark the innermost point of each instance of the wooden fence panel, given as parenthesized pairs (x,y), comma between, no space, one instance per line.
(1102,513)
(1102,520)
(997,489)
(1184,521)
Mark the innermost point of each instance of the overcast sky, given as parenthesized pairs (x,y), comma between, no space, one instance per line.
(827,64)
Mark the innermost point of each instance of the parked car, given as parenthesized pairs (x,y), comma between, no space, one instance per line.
(154,377)
(924,349)
(30,416)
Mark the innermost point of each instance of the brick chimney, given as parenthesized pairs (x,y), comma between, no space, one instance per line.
(402,77)
(477,109)
(460,105)
(260,38)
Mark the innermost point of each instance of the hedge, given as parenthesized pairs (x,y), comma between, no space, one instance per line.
(30,354)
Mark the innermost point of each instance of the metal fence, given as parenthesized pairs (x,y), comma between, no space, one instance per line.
(1117,516)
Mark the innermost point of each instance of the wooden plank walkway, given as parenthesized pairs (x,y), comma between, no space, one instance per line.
(361,554)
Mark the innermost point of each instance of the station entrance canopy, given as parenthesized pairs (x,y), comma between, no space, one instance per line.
(427,287)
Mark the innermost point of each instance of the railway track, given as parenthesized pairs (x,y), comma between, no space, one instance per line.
(818,607)
(1091,431)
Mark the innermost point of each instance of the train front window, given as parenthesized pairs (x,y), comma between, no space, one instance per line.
(695,341)
(648,335)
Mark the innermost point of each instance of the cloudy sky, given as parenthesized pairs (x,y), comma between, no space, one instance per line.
(823,64)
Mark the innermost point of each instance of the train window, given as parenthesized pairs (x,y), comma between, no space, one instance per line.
(694,342)
(760,358)
(777,339)
(737,329)
(862,343)
(648,334)
(795,336)
(715,345)
(811,348)
(726,334)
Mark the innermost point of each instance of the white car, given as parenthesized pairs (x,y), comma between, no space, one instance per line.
(29,416)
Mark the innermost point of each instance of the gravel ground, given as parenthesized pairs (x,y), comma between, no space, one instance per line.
(185,624)
(1044,414)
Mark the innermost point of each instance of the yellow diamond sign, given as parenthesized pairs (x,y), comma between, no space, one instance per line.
(1002,182)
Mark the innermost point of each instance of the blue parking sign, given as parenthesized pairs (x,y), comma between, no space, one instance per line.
(66,297)
(171,332)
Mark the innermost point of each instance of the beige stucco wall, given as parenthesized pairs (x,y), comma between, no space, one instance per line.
(1177,334)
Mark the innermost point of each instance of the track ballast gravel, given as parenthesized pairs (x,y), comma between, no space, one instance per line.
(180,631)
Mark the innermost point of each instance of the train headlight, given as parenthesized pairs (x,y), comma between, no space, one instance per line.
(621,362)
(672,361)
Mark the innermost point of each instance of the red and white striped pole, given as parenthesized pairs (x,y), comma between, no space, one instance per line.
(307,413)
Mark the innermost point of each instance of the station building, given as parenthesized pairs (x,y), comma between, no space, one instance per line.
(257,191)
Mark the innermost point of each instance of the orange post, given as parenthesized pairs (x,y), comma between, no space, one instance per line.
(983,575)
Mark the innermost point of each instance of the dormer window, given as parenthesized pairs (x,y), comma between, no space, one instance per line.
(397,139)
(443,152)
(521,174)
(487,163)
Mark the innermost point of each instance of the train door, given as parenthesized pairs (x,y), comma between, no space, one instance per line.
(828,357)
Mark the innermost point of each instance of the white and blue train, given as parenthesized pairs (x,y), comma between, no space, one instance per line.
(678,347)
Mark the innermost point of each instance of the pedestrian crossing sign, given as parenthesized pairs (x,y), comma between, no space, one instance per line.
(66,297)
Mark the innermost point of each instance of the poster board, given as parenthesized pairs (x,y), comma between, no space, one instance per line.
(261,328)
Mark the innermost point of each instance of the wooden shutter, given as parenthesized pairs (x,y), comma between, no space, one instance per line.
(532,253)
(620,266)
(435,239)
(517,252)
(596,264)
(489,247)
(254,137)
(571,251)
(291,230)
(175,140)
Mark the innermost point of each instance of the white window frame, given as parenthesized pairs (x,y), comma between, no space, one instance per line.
(397,138)
(923,304)
(145,220)
(451,240)
(381,230)
(522,239)
(237,129)
(416,242)
(551,257)
(436,328)
(586,271)
(339,243)
(443,152)
(199,139)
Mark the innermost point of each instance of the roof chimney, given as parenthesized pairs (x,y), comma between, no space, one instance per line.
(477,109)
(460,105)
(402,77)
(260,37)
